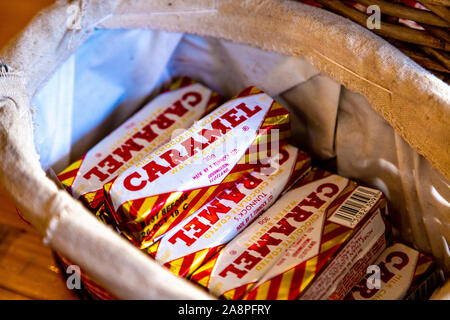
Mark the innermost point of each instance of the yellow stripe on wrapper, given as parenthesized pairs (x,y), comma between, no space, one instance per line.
(202,200)
(329,228)
(299,165)
(90,196)
(175,85)
(107,187)
(146,207)
(276,120)
(127,205)
(149,203)
(196,206)
(93,200)
(234,177)
(276,289)
(335,241)
(263,291)
(103,215)
(67,181)
(234,293)
(277,106)
(248,92)
(284,291)
(187,265)
(203,274)
(180,82)
(310,272)
(175,266)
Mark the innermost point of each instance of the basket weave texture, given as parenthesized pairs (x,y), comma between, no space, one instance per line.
(420,29)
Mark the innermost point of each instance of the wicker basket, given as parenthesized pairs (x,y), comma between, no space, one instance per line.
(407,116)
(420,29)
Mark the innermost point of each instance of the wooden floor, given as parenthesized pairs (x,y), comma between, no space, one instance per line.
(28,269)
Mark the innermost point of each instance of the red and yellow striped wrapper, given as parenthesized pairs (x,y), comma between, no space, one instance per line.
(103,215)
(197,238)
(400,272)
(184,102)
(287,248)
(177,179)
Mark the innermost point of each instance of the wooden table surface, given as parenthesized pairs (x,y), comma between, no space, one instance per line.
(28,269)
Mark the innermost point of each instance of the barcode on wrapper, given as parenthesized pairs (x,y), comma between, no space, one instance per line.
(355,207)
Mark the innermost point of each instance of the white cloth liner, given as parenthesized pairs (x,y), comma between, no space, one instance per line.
(115,71)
